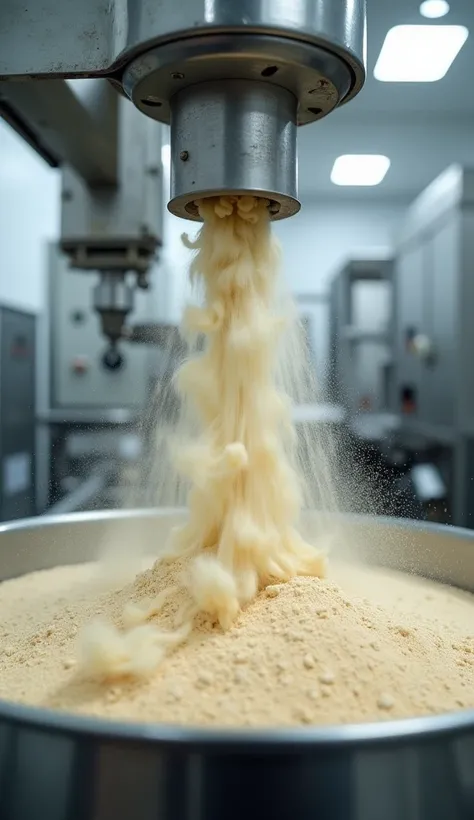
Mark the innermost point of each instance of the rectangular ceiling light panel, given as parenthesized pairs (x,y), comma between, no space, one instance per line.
(419,54)
(360,169)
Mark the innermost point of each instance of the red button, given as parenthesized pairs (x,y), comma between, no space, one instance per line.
(80,365)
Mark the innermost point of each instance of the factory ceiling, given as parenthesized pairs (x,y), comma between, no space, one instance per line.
(421,127)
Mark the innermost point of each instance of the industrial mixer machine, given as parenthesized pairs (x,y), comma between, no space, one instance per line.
(233,80)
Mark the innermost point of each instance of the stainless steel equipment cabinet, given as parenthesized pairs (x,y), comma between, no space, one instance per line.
(17,414)
(360,309)
(87,405)
(433,385)
(81,376)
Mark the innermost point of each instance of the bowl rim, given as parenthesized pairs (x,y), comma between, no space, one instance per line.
(235,740)
(43,521)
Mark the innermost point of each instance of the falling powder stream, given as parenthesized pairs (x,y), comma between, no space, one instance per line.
(234,447)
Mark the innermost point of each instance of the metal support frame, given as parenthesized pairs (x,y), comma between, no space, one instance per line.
(74,123)
(195,64)
(112,180)
(70,38)
(98,37)
(434,290)
(110,155)
(344,336)
(234,80)
(117,227)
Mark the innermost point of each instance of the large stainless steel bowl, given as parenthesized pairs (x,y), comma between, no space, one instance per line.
(59,767)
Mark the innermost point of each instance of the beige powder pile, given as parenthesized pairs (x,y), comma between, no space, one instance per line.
(305,652)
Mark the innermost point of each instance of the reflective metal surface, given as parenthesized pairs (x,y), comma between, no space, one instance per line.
(113,293)
(233,137)
(113,301)
(58,767)
(319,79)
(65,126)
(233,97)
(115,227)
(48,38)
(168,57)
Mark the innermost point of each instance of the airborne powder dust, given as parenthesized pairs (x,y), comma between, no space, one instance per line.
(235,445)
(236,623)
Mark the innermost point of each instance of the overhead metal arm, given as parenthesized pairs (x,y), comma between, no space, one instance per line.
(72,38)
(192,64)
(81,38)
(233,79)
(65,124)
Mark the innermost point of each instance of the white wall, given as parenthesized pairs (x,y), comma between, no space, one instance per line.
(315,243)
(174,256)
(318,241)
(29,216)
(174,263)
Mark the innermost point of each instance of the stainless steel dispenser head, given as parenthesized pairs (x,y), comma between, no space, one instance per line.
(235,82)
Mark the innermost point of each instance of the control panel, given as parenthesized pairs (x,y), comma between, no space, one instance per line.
(85,372)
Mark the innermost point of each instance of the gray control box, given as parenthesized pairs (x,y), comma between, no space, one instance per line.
(434,330)
(434,299)
(17,414)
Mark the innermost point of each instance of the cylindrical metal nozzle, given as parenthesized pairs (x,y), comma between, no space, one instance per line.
(112,292)
(234,78)
(233,137)
(113,301)
(224,73)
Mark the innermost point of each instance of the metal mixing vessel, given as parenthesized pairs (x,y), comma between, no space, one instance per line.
(59,767)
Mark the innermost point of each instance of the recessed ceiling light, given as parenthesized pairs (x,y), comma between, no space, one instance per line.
(360,169)
(434,8)
(419,54)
